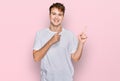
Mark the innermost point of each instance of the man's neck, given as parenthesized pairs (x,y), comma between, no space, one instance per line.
(55,28)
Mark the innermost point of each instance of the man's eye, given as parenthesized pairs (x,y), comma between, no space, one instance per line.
(53,13)
(60,14)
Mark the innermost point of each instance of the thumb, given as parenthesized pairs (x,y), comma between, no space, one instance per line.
(81,33)
(58,33)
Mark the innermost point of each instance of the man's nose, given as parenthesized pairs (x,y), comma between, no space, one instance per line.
(56,16)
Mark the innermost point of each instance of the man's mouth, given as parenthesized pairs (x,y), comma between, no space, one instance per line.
(56,20)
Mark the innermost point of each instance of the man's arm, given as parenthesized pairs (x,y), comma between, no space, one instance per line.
(77,55)
(39,54)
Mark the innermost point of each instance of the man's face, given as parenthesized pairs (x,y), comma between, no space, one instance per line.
(56,17)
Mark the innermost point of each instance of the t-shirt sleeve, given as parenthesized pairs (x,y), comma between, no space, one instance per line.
(37,42)
(73,44)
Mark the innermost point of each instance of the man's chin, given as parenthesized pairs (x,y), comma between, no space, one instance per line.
(56,24)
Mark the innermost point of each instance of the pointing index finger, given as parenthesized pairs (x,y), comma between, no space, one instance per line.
(84,29)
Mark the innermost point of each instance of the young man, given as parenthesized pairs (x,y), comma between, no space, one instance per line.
(55,47)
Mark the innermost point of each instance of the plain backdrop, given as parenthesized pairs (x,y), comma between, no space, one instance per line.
(21,19)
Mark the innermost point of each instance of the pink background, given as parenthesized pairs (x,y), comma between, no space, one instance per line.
(20,19)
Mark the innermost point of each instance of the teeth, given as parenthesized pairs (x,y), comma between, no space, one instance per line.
(56,20)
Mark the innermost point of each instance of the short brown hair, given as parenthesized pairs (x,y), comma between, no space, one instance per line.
(60,6)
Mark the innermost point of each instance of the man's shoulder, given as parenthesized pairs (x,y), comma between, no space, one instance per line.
(68,31)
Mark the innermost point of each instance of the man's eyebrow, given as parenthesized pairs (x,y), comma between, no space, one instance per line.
(56,13)
(52,12)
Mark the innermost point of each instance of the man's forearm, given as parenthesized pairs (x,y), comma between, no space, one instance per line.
(39,54)
(76,56)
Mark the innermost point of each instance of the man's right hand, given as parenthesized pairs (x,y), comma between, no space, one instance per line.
(55,38)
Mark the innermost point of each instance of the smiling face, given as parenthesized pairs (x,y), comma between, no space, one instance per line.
(56,17)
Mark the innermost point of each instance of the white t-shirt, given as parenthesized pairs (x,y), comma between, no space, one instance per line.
(56,65)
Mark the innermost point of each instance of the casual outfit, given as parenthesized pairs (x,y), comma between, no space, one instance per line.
(56,65)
